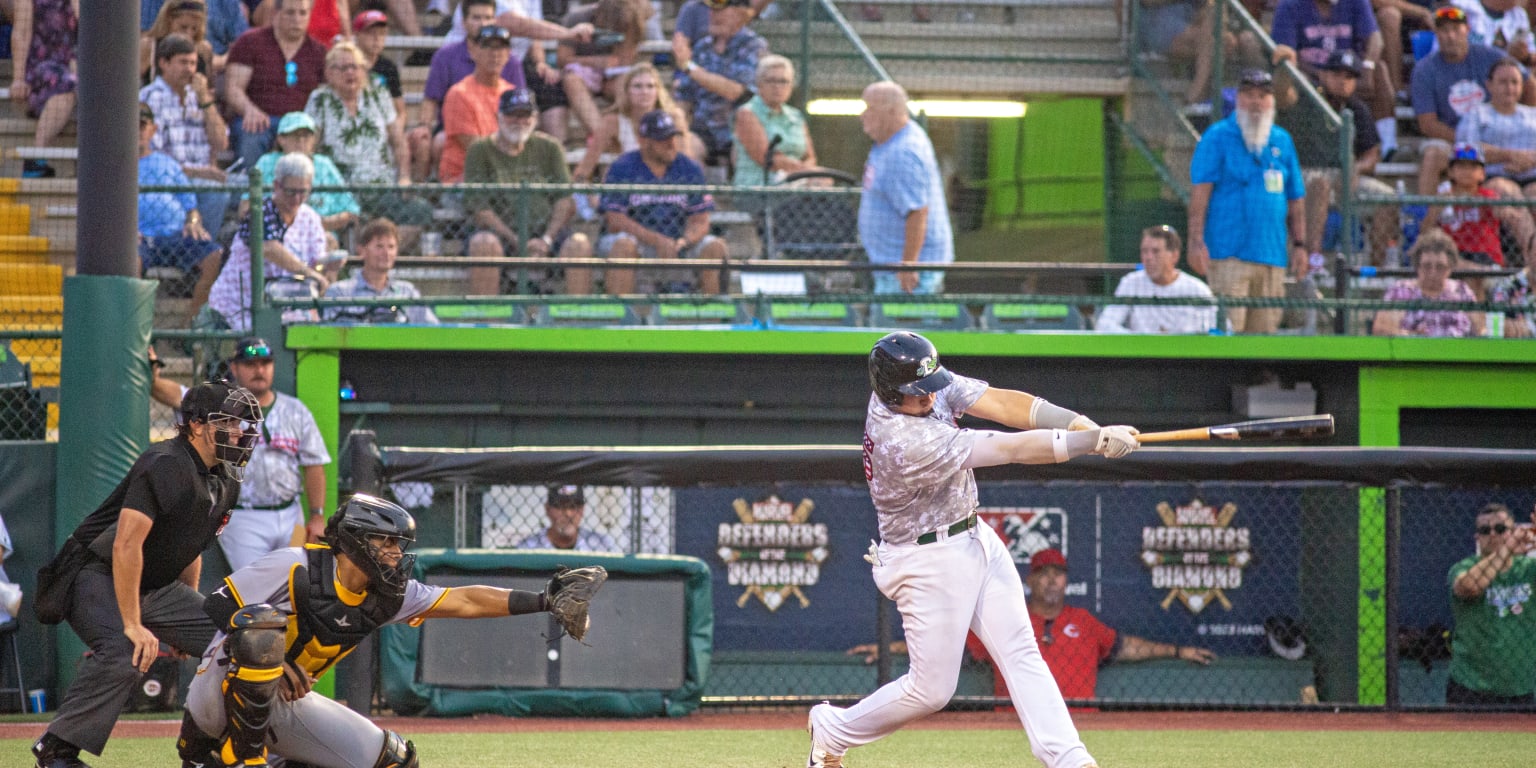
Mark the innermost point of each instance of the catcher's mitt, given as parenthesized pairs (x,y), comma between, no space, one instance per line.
(568,594)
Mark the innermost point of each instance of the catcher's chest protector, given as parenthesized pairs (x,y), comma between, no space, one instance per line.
(327,628)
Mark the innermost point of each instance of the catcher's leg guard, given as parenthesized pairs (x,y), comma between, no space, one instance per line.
(397,752)
(197,749)
(256,642)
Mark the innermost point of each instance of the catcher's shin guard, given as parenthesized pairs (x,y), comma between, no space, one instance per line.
(196,749)
(256,643)
(397,752)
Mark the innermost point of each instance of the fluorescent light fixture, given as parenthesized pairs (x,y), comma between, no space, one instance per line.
(934,108)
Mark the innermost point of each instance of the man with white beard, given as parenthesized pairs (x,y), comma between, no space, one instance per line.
(517,153)
(1247,223)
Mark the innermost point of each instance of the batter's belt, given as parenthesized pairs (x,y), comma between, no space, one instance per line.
(955,528)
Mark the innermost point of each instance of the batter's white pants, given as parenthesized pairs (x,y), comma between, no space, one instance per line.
(964,582)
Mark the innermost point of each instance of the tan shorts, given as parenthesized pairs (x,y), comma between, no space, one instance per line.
(1235,277)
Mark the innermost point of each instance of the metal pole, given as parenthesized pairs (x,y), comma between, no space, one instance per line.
(1391,592)
(1347,226)
(107,231)
(1217,28)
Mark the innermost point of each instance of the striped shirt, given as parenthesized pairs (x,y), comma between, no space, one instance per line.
(1144,318)
(179,129)
(231,293)
(1486,126)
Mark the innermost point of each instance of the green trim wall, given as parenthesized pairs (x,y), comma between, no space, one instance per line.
(1393,374)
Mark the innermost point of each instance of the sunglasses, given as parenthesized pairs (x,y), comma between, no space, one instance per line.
(1451,13)
(291,73)
(1498,528)
(254,350)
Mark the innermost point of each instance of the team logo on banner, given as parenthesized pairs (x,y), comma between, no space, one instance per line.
(1027,530)
(773,550)
(1196,554)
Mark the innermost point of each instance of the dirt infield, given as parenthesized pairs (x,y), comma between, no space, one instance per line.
(795,719)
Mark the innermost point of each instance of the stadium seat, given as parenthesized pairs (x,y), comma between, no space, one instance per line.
(584,314)
(821,313)
(1032,317)
(936,315)
(714,312)
(500,314)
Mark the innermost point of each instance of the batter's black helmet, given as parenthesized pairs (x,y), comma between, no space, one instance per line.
(362,516)
(904,363)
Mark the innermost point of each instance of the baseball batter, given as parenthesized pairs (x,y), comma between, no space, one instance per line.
(291,615)
(946,573)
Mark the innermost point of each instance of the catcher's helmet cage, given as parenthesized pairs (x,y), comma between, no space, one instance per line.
(235,417)
(905,363)
(362,516)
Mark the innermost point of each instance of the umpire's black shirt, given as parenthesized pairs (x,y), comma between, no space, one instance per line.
(187,502)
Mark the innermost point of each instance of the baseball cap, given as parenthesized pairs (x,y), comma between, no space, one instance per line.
(366,19)
(1450,14)
(1343,61)
(494,34)
(1257,78)
(517,100)
(1047,558)
(1470,153)
(658,125)
(295,121)
(252,348)
(566,496)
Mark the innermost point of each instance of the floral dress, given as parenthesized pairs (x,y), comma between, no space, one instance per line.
(51,58)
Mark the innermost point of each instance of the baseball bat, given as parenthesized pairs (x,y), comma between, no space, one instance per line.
(1287,428)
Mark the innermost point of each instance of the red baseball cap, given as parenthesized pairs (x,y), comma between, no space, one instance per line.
(1046,558)
(368,19)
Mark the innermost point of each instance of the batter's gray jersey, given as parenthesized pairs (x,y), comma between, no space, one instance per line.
(289,440)
(915,464)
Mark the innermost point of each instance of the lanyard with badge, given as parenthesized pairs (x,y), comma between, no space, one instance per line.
(1274,178)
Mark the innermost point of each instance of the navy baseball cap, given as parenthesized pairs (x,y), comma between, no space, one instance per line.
(252,348)
(494,34)
(658,125)
(1257,78)
(518,100)
(566,496)
(1343,61)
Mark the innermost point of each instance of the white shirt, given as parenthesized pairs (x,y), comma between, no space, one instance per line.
(231,293)
(1121,318)
(1482,28)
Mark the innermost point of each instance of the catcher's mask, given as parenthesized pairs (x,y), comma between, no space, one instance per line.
(904,363)
(234,416)
(352,529)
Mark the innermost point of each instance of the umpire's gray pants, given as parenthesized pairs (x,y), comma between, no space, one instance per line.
(105,680)
(313,730)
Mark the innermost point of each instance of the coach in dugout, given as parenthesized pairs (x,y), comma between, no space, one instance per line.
(1493,650)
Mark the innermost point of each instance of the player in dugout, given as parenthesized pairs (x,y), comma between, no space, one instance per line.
(291,615)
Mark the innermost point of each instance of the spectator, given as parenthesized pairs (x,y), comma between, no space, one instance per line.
(1311,30)
(161,389)
(769,120)
(594,69)
(370,31)
(1181,30)
(516,153)
(171,231)
(271,71)
(43,41)
(1446,85)
(1475,228)
(1247,196)
(1520,321)
(188,126)
(1318,152)
(1505,131)
(658,226)
(1074,642)
(226,21)
(152,529)
(1160,277)
(289,458)
(450,64)
(380,246)
(566,505)
(1398,19)
(1434,255)
(902,214)
(1501,24)
(338,210)
(469,109)
(692,22)
(640,91)
(294,245)
(523,18)
(1493,649)
(188,18)
(355,123)
(10,592)
(715,73)
(326,21)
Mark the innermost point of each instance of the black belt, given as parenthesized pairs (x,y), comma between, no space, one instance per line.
(269,508)
(955,528)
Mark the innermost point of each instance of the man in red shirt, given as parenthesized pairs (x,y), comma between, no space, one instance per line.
(1074,642)
(270,73)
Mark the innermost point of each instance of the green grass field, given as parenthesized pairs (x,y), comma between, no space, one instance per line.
(916,749)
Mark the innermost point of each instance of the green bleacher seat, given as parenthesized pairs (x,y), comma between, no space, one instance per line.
(1032,317)
(936,315)
(589,314)
(727,312)
(476,313)
(815,313)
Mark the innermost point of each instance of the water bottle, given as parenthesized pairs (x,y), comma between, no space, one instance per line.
(1408,216)
(1394,256)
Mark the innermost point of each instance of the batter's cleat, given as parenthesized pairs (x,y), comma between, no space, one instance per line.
(820,756)
(56,754)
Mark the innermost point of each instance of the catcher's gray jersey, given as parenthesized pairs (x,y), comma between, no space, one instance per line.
(914,464)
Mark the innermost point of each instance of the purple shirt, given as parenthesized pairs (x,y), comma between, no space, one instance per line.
(1433,322)
(1299,25)
(451,64)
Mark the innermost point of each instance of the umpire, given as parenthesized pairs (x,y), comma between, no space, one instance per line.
(126,579)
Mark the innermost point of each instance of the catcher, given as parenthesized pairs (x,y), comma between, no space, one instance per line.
(288,617)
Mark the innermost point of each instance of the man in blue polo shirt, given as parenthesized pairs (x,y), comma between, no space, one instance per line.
(656,225)
(903,217)
(1246,218)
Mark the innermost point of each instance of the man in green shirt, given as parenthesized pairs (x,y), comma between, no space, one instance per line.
(516,153)
(1493,651)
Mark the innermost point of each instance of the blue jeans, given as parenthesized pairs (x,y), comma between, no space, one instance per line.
(927,282)
(251,146)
